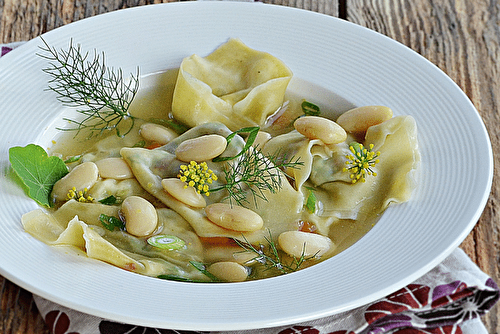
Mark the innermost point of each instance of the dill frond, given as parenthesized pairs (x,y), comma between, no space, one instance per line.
(269,256)
(98,92)
(254,172)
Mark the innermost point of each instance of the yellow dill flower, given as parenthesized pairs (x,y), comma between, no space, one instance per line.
(198,176)
(80,196)
(360,162)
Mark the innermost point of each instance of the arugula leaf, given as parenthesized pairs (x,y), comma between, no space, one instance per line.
(110,222)
(37,170)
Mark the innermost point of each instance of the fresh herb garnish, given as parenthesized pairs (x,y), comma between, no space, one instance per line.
(37,171)
(198,176)
(81,196)
(170,123)
(166,241)
(269,256)
(310,109)
(110,200)
(310,200)
(72,159)
(110,222)
(255,172)
(252,134)
(201,267)
(98,92)
(249,170)
(360,162)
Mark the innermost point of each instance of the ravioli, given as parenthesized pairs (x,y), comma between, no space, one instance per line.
(235,85)
(151,166)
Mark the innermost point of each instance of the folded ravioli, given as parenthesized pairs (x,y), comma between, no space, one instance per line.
(83,234)
(235,85)
(280,212)
(339,199)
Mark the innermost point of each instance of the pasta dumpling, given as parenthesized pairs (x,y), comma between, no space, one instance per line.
(235,85)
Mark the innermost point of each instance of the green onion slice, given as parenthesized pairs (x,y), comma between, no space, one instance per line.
(165,241)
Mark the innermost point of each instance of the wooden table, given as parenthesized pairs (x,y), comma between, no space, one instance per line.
(462,37)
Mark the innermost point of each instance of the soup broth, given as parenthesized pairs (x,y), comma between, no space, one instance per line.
(251,202)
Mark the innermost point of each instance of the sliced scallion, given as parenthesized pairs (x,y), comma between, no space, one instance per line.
(165,241)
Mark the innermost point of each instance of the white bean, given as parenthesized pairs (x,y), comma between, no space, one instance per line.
(201,148)
(141,218)
(358,120)
(233,217)
(114,168)
(228,271)
(189,195)
(157,133)
(261,139)
(324,129)
(297,243)
(82,177)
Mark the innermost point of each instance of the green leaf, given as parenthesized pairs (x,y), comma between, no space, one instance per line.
(310,109)
(110,222)
(110,200)
(166,241)
(73,159)
(37,170)
(311,200)
(252,134)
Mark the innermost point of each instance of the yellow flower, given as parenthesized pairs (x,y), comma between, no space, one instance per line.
(80,196)
(197,175)
(360,162)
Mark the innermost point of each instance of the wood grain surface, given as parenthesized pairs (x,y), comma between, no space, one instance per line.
(462,37)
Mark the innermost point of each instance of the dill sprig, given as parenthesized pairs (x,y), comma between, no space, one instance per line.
(98,92)
(248,171)
(256,173)
(269,256)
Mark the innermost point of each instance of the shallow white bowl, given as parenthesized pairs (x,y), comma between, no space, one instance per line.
(353,66)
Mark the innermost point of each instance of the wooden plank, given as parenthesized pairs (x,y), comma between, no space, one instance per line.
(18,312)
(462,38)
(22,20)
(329,7)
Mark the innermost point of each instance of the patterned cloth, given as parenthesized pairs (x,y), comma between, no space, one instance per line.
(450,299)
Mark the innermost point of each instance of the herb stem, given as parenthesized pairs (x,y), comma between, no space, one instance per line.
(98,92)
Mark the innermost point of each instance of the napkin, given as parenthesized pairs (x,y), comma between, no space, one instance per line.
(450,299)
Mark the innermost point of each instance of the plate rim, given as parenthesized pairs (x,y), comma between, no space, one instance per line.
(284,320)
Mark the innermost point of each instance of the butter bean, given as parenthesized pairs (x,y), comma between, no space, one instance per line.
(314,127)
(297,243)
(189,195)
(201,148)
(114,168)
(82,177)
(261,139)
(358,120)
(235,218)
(228,271)
(141,218)
(157,133)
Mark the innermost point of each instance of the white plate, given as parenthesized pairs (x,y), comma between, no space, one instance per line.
(359,65)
